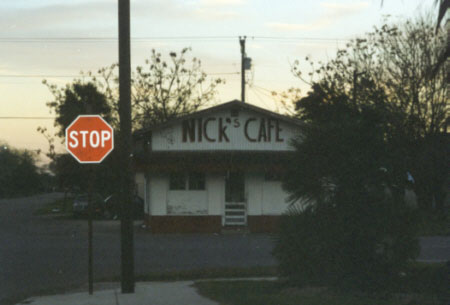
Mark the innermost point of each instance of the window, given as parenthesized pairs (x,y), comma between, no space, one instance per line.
(196,181)
(193,181)
(177,181)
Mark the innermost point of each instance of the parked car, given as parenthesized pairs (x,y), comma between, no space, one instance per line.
(80,205)
(111,207)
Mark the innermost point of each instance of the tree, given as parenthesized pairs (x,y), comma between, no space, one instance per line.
(160,91)
(374,113)
(74,99)
(70,101)
(349,226)
(398,60)
(19,175)
(168,89)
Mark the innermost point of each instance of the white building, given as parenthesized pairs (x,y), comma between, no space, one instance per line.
(215,168)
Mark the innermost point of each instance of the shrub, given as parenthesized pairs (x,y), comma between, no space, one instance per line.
(357,245)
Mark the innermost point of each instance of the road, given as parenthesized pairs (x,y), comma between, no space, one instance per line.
(41,254)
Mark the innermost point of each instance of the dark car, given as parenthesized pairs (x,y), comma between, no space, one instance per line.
(80,205)
(111,207)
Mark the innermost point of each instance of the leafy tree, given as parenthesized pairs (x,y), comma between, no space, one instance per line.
(163,90)
(374,113)
(398,60)
(349,226)
(70,101)
(74,99)
(19,175)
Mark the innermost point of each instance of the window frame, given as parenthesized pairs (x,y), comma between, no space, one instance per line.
(191,181)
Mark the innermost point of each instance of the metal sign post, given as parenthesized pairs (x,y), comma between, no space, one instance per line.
(89,139)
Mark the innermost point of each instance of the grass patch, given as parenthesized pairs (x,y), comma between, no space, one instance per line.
(422,285)
(276,293)
(423,278)
(57,207)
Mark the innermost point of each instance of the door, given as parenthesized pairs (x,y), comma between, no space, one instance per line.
(235,203)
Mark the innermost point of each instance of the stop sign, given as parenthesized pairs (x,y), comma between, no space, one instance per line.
(89,139)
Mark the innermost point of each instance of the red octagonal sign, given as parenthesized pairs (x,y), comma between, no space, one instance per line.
(89,139)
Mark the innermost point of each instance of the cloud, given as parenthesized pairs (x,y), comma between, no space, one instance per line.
(221,2)
(102,14)
(288,27)
(342,10)
(333,12)
(52,16)
(216,9)
(218,15)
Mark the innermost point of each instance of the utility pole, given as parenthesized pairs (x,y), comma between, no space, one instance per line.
(242,43)
(126,183)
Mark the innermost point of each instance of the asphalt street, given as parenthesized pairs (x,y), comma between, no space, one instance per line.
(40,253)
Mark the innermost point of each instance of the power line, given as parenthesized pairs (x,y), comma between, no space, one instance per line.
(80,75)
(261,88)
(26,118)
(272,38)
(223,73)
(40,75)
(259,98)
(167,38)
(110,39)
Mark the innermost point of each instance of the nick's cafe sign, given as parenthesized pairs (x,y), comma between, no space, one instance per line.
(217,129)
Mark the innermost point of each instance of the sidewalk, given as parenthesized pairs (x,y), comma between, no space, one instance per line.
(149,293)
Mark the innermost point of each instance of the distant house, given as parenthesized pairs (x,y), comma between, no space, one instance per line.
(214,169)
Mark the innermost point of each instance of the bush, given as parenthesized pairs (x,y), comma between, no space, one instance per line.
(360,245)
(19,175)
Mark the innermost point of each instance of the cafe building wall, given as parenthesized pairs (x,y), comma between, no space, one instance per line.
(216,168)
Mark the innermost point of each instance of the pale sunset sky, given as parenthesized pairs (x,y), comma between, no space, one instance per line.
(279,32)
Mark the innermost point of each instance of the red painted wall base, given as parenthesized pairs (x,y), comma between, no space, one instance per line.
(206,224)
(184,224)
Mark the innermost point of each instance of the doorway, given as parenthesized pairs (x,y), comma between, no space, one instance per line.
(235,201)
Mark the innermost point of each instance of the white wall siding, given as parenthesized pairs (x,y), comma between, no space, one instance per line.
(263,197)
(253,189)
(187,202)
(247,131)
(274,198)
(159,185)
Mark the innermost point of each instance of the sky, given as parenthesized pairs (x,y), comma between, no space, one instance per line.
(278,33)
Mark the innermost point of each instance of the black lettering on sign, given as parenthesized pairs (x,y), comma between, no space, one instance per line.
(270,126)
(278,130)
(188,127)
(205,130)
(246,129)
(262,131)
(236,123)
(200,129)
(222,134)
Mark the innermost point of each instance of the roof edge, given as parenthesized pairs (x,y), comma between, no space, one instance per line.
(219,107)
